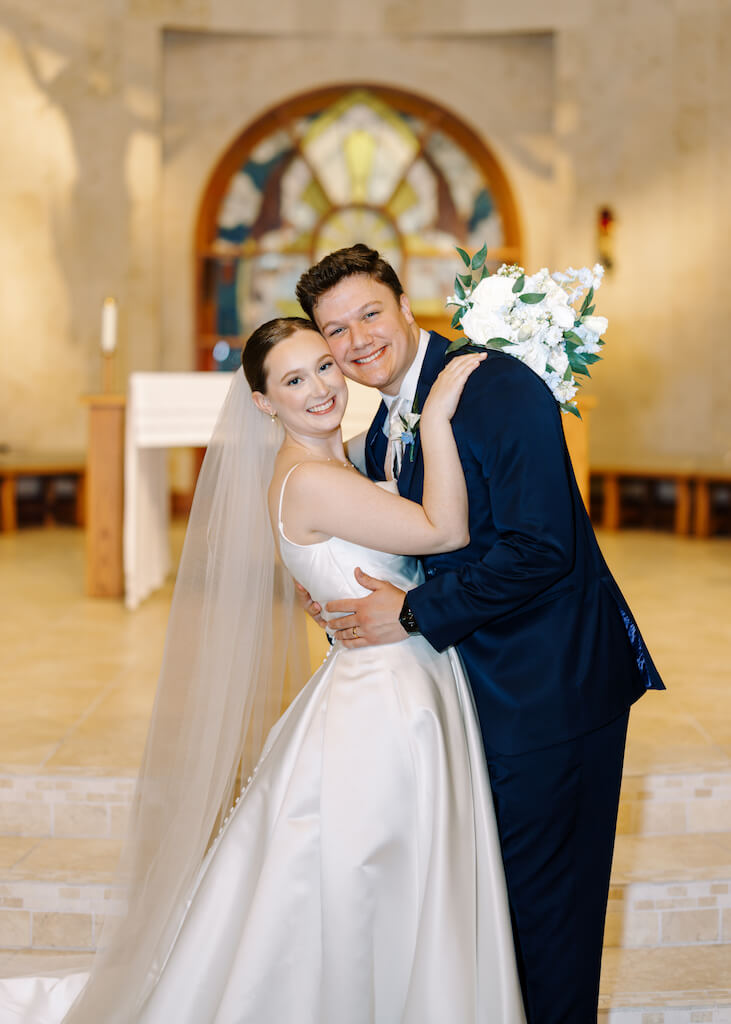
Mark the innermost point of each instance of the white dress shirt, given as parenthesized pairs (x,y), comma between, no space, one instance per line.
(407,392)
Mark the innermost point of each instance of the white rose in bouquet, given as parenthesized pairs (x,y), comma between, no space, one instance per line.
(531,352)
(494,293)
(596,324)
(480,325)
(563,315)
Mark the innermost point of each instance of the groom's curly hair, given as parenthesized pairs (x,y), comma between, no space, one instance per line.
(356,259)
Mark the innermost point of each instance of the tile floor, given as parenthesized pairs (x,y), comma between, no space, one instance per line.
(78,675)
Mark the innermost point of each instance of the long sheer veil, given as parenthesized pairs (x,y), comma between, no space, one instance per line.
(233,644)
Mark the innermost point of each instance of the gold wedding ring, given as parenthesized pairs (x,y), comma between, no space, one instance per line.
(355,632)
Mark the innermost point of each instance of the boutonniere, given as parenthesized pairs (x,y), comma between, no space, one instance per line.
(410,425)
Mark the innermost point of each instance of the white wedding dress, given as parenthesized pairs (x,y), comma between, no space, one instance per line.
(358,879)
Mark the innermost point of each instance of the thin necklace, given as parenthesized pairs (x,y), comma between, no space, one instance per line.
(345,465)
(328,458)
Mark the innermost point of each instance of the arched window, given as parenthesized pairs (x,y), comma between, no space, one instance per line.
(330,168)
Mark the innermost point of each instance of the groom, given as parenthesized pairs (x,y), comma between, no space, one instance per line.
(552,652)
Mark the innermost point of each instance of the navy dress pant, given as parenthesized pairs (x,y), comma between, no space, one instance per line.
(556,811)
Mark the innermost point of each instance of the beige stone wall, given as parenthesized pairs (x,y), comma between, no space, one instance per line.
(111,118)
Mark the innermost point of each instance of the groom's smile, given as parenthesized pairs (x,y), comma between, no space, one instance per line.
(366,360)
(371,333)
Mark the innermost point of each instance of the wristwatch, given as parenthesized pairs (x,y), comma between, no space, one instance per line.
(406,618)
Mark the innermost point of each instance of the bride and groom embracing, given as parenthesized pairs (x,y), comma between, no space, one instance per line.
(425,835)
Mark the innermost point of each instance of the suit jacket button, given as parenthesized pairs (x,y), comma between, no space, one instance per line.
(431,572)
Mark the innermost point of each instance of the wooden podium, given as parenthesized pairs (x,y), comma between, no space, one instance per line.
(105,495)
(576,432)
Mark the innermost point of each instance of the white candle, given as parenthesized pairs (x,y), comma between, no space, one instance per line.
(109,326)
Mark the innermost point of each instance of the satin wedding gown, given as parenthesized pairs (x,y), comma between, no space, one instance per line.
(359,879)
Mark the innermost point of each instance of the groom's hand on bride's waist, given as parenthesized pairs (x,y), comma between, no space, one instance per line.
(369,620)
(307,604)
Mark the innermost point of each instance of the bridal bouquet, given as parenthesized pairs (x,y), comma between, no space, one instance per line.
(545,320)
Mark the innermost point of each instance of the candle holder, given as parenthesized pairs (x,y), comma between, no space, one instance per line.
(108,374)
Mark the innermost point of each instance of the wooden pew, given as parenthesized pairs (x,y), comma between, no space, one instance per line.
(693,506)
(704,520)
(49,466)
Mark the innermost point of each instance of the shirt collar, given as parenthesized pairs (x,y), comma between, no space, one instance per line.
(410,381)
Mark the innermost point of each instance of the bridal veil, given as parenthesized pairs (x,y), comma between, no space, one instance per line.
(234,645)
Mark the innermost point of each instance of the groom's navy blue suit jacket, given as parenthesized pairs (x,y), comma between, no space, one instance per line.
(549,643)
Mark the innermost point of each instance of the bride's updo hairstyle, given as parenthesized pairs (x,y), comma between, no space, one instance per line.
(263,340)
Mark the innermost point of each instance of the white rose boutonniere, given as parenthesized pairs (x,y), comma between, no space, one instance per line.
(534,318)
(410,425)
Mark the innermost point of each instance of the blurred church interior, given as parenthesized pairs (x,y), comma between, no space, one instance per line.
(169,168)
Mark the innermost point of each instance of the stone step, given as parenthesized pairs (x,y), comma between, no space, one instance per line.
(670,890)
(71,806)
(663,804)
(55,892)
(666,986)
(97,807)
(667,889)
(666,859)
(659,915)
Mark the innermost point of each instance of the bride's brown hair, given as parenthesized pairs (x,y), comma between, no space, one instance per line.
(263,340)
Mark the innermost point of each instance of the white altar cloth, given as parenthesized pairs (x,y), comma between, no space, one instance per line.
(164,410)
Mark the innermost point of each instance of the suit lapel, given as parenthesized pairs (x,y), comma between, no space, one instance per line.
(375,447)
(430,370)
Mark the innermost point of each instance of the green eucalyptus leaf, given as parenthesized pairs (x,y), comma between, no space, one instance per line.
(466,279)
(568,373)
(478,260)
(456,318)
(519,284)
(589,311)
(455,346)
(590,357)
(464,256)
(531,298)
(571,338)
(587,300)
(485,273)
(458,287)
(499,342)
(568,407)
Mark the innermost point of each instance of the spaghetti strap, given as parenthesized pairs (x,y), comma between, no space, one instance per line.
(280,524)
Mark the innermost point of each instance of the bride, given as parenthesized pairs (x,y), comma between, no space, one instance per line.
(342,866)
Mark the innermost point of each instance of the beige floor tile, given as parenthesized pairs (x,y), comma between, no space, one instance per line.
(81,688)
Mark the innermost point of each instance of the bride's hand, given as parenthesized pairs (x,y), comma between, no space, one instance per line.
(447,388)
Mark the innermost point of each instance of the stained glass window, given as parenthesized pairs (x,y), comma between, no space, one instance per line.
(338,167)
